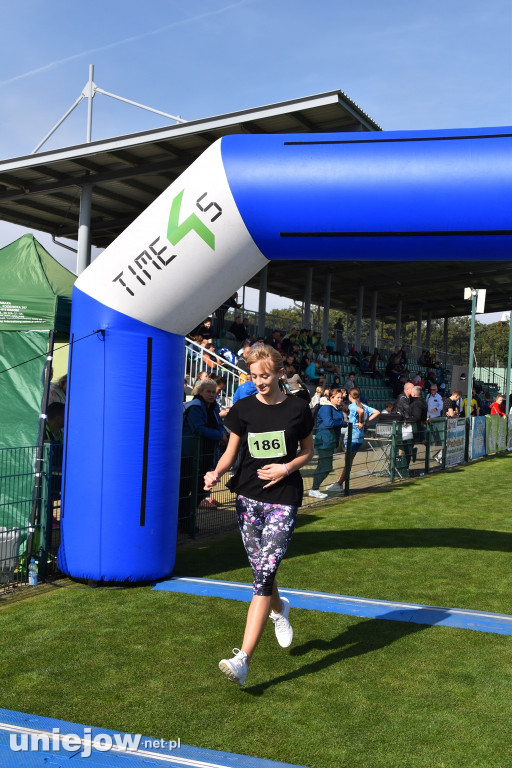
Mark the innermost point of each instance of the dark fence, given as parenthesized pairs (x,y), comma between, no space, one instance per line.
(30,480)
(29,511)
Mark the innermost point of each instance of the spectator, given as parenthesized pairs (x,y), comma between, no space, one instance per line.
(319,393)
(329,420)
(359,415)
(323,361)
(475,408)
(57,392)
(398,385)
(496,407)
(350,382)
(54,423)
(403,403)
(238,329)
(200,419)
(220,314)
(434,403)
(485,408)
(450,405)
(275,341)
(209,361)
(220,398)
(204,329)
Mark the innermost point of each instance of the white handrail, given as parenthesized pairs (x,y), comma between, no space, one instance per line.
(198,359)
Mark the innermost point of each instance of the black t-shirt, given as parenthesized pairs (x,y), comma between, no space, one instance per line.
(447,404)
(270,435)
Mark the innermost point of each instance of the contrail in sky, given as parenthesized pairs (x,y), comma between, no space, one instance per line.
(132,39)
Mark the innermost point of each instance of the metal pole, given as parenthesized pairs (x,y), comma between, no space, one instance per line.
(373,323)
(262,301)
(35,514)
(90,96)
(84,229)
(445,338)
(398,326)
(469,393)
(509,364)
(418,331)
(327,307)
(307,297)
(359,318)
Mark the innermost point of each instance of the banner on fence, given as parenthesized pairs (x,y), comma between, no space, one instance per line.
(491,432)
(501,440)
(455,441)
(509,434)
(477,437)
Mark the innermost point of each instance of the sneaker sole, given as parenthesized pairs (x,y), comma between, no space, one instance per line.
(226,670)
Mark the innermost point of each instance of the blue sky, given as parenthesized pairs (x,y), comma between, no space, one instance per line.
(409,65)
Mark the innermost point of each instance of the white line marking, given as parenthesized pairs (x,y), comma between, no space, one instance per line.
(115,748)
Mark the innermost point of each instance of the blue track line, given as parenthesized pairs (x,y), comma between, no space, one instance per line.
(18,729)
(480,621)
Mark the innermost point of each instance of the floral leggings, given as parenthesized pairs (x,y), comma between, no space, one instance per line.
(266,532)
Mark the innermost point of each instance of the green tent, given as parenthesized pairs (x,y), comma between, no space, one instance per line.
(35,298)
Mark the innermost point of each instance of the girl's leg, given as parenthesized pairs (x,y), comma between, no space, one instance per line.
(257,617)
(266,532)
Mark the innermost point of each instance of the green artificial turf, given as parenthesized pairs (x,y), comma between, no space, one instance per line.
(350,692)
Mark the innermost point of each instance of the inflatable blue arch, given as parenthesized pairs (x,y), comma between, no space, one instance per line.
(437,195)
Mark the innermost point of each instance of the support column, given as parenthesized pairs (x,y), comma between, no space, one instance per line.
(373,322)
(429,329)
(445,339)
(418,331)
(509,364)
(307,297)
(262,301)
(83,258)
(359,318)
(327,307)
(398,325)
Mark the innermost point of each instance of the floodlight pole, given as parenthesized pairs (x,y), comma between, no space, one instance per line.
(469,393)
(474,294)
(509,364)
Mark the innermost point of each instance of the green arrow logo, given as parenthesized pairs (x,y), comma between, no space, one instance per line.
(177,231)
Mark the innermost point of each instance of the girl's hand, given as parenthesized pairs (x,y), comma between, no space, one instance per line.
(273,473)
(210,479)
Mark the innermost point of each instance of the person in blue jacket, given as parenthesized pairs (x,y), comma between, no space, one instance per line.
(200,418)
(330,419)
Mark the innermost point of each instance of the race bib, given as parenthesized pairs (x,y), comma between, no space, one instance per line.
(266,445)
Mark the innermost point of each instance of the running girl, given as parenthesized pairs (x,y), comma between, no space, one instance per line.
(270,427)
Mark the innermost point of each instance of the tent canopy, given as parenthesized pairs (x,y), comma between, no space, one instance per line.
(35,291)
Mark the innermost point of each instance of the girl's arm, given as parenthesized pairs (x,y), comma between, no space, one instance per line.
(225,462)
(276,472)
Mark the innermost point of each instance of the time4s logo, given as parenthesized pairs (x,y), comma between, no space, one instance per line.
(152,256)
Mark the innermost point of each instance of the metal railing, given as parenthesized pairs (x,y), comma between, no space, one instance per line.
(199,359)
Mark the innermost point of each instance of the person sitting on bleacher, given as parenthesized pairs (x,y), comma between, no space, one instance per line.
(322,359)
(350,381)
(365,366)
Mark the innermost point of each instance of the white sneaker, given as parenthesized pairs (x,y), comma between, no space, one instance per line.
(282,627)
(235,669)
(334,487)
(317,494)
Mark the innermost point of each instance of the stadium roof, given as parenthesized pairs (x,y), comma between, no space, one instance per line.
(42,192)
